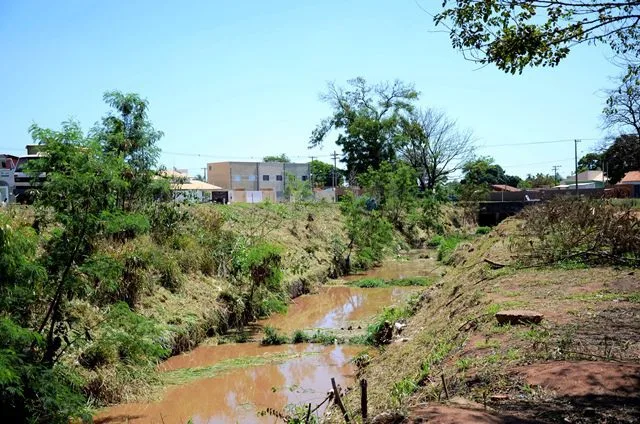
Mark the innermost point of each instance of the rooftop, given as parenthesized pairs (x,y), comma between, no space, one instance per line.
(631,177)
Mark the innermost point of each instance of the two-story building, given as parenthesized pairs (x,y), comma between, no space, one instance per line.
(255,181)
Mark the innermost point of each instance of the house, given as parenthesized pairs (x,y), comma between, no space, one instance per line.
(632,178)
(586,179)
(254,182)
(504,187)
(186,189)
(7,183)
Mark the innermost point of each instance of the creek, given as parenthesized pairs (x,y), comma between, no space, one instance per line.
(232,383)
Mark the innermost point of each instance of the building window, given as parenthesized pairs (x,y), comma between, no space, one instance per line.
(304,178)
(237,178)
(265,178)
(252,177)
(209,167)
(278,177)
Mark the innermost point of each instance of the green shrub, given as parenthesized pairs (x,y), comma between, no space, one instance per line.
(323,337)
(370,283)
(401,282)
(170,274)
(165,219)
(98,355)
(123,226)
(411,281)
(271,303)
(105,274)
(273,337)
(446,248)
(31,389)
(402,389)
(435,241)
(483,230)
(136,339)
(299,336)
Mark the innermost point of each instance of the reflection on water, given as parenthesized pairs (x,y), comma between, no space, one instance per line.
(334,307)
(422,264)
(239,395)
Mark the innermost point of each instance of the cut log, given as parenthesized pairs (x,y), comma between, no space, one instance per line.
(517,316)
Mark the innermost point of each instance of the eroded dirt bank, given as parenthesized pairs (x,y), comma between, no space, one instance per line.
(579,365)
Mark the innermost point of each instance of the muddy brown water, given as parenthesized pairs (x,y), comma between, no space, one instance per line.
(335,307)
(239,395)
(280,375)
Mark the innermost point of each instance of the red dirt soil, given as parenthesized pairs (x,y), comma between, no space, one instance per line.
(585,378)
(441,414)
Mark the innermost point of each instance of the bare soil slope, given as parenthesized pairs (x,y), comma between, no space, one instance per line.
(580,364)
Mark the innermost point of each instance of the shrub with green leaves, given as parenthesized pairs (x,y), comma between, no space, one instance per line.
(273,337)
(446,248)
(369,233)
(483,230)
(133,338)
(299,336)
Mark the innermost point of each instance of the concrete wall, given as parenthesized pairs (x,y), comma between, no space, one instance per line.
(509,196)
(274,173)
(219,173)
(244,175)
(251,196)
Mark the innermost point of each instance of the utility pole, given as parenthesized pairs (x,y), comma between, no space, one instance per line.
(555,173)
(335,158)
(576,160)
(204,174)
(311,176)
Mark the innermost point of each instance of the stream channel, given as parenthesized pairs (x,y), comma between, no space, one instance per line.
(233,383)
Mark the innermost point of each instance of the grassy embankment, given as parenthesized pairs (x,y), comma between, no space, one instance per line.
(184,283)
(590,313)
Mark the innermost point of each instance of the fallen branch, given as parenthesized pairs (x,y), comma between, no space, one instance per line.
(493,264)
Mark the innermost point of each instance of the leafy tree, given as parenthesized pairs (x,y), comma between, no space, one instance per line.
(82,186)
(367,119)
(322,174)
(128,133)
(395,190)
(433,145)
(295,189)
(280,158)
(368,232)
(622,156)
(513,34)
(538,181)
(590,162)
(484,172)
(622,112)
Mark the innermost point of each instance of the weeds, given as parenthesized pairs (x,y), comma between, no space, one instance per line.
(400,282)
(582,231)
(273,337)
(483,230)
(402,389)
(488,344)
(299,336)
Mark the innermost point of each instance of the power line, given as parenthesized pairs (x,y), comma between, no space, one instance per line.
(529,143)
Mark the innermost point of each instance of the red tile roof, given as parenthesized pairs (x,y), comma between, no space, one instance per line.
(631,177)
(504,187)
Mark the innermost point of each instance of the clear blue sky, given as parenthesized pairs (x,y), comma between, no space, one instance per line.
(241,79)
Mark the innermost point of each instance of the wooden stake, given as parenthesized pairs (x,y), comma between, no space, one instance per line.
(308,414)
(444,384)
(339,401)
(363,401)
